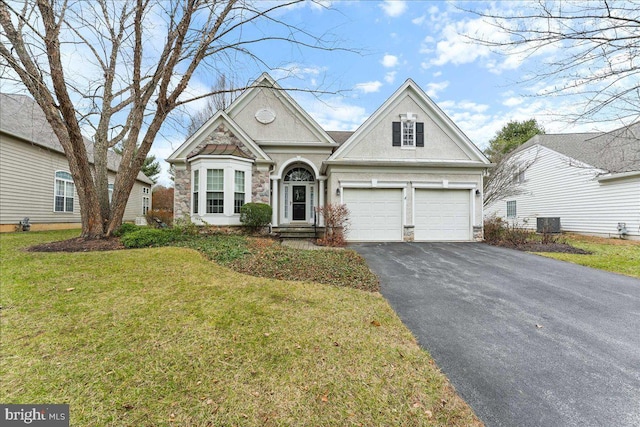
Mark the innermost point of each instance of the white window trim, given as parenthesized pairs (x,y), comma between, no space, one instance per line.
(412,119)
(146,200)
(229,165)
(55,192)
(515,208)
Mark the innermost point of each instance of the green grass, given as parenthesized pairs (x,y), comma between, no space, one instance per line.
(615,255)
(163,337)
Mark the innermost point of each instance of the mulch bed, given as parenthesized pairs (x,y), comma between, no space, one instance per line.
(79,245)
(547,247)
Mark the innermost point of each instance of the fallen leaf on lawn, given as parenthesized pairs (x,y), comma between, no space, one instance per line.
(336,344)
(209,401)
(428,413)
(266,334)
(375,323)
(324,398)
(417,405)
(69,289)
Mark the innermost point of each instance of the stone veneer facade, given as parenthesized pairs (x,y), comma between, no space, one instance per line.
(260,182)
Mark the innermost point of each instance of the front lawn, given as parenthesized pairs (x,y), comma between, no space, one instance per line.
(615,255)
(163,336)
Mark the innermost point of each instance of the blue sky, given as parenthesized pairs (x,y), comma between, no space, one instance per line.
(396,40)
(386,43)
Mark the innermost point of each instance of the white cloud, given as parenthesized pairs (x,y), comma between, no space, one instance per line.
(419,20)
(369,87)
(512,101)
(437,74)
(333,113)
(434,88)
(394,8)
(390,77)
(389,61)
(456,48)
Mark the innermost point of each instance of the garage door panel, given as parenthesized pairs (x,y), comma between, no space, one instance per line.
(375,214)
(442,215)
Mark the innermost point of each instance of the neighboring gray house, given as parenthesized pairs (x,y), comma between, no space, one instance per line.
(34,173)
(408,173)
(591,181)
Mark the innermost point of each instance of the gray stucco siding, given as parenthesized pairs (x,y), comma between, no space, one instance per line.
(376,142)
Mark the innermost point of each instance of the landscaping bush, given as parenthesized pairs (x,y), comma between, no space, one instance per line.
(494,228)
(126,228)
(162,215)
(186,227)
(145,237)
(336,217)
(255,215)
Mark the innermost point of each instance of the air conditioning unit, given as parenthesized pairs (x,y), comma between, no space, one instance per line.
(548,225)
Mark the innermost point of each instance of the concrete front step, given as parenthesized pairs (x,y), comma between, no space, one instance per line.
(293,232)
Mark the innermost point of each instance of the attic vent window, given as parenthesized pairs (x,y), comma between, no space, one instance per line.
(265,116)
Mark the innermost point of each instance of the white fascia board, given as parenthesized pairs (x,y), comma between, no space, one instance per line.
(373,184)
(621,175)
(409,163)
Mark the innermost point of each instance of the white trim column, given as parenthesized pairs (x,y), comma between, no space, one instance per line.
(321,181)
(274,201)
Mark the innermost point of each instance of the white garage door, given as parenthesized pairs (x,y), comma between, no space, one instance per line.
(442,215)
(375,214)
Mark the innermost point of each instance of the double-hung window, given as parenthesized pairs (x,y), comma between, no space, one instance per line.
(511,209)
(196,190)
(64,192)
(215,191)
(408,132)
(146,200)
(238,195)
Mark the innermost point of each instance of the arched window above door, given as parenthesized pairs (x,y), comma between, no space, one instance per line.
(299,175)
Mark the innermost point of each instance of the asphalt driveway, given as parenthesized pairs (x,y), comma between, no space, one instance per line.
(526,340)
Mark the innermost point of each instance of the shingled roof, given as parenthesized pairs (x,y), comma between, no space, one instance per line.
(339,136)
(22,117)
(615,152)
(220,150)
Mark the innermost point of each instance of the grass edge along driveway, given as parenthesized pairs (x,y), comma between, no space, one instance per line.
(164,337)
(614,255)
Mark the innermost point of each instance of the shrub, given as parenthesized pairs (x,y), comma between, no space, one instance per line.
(145,237)
(515,235)
(494,228)
(186,227)
(161,215)
(125,228)
(336,217)
(255,215)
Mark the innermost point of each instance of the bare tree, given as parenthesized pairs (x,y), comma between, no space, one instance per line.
(506,178)
(222,95)
(595,48)
(119,68)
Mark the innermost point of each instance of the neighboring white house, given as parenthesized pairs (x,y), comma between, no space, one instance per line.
(408,173)
(591,181)
(34,173)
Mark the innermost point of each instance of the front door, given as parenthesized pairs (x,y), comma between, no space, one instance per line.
(299,202)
